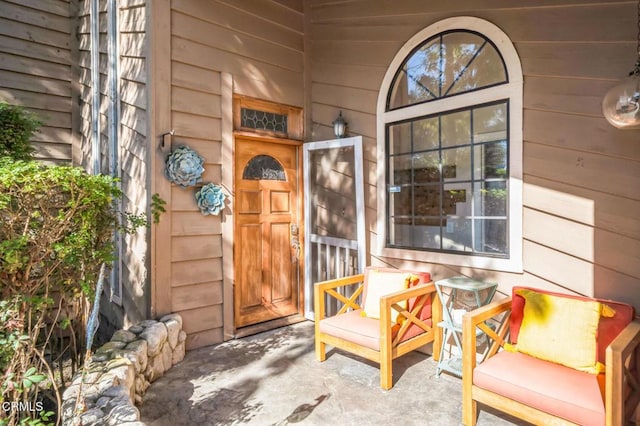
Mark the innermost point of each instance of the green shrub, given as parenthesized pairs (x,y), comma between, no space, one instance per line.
(56,229)
(17,127)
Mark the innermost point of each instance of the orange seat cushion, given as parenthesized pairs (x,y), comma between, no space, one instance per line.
(352,326)
(553,388)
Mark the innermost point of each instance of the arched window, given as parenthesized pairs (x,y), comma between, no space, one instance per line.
(450,148)
(263,167)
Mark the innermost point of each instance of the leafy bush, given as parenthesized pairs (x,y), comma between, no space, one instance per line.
(56,229)
(17,127)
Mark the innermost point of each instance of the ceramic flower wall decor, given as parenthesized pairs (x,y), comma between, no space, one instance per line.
(184,167)
(210,199)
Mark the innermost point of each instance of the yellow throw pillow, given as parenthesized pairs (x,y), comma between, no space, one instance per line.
(561,330)
(381,283)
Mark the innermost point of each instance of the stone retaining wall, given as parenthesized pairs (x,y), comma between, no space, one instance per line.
(121,370)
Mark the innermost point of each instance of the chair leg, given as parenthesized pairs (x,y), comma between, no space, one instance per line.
(386,374)
(321,353)
(469,408)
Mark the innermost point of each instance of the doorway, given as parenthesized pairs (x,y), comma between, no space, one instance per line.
(267,226)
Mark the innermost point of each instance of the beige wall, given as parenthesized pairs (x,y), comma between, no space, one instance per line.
(259,44)
(134,146)
(35,69)
(581,182)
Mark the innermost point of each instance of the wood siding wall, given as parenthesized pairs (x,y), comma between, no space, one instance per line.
(133,146)
(581,175)
(35,69)
(260,44)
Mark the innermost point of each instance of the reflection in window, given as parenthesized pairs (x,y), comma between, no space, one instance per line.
(447,64)
(263,167)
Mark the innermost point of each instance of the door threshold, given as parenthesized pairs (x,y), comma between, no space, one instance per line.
(268,325)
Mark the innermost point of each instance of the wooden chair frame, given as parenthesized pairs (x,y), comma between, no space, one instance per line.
(622,387)
(389,348)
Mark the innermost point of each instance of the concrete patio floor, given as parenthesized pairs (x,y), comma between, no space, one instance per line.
(273,378)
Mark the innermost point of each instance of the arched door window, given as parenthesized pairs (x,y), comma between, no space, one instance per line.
(450,146)
(264,167)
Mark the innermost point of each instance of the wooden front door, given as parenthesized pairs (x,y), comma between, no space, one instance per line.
(267,246)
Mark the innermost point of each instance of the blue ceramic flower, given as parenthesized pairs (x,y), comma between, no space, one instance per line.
(184,167)
(210,199)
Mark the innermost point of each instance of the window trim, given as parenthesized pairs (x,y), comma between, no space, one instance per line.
(512,90)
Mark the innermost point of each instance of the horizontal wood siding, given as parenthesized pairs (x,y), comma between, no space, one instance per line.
(35,70)
(581,175)
(260,44)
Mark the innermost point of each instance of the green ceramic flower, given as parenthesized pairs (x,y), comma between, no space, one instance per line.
(184,167)
(210,199)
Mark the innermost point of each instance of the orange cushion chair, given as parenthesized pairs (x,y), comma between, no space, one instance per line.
(398,313)
(552,385)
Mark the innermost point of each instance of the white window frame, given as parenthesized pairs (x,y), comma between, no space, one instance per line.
(511,90)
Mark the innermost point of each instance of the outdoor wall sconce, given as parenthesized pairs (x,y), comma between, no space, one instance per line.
(621,104)
(339,126)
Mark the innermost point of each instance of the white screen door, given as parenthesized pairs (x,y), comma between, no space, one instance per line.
(334,212)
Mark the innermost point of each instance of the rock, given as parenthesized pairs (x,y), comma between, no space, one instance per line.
(92,417)
(167,356)
(172,317)
(136,329)
(125,336)
(68,407)
(138,400)
(155,335)
(182,336)
(110,346)
(124,375)
(139,348)
(178,354)
(102,402)
(142,384)
(147,323)
(173,330)
(116,391)
(132,424)
(105,356)
(155,368)
(123,413)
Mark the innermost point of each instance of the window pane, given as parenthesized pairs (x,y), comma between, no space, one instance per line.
(427,200)
(490,199)
(426,232)
(459,50)
(400,169)
(456,201)
(457,234)
(491,236)
(399,138)
(426,167)
(401,204)
(454,63)
(490,161)
(456,164)
(490,123)
(425,134)
(263,167)
(486,69)
(418,78)
(456,129)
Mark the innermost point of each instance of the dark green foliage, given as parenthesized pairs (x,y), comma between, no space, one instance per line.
(17,127)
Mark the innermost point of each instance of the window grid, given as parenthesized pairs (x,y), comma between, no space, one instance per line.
(473,182)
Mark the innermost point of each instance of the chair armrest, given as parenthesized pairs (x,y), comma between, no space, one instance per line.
(620,376)
(473,319)
(320,289)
